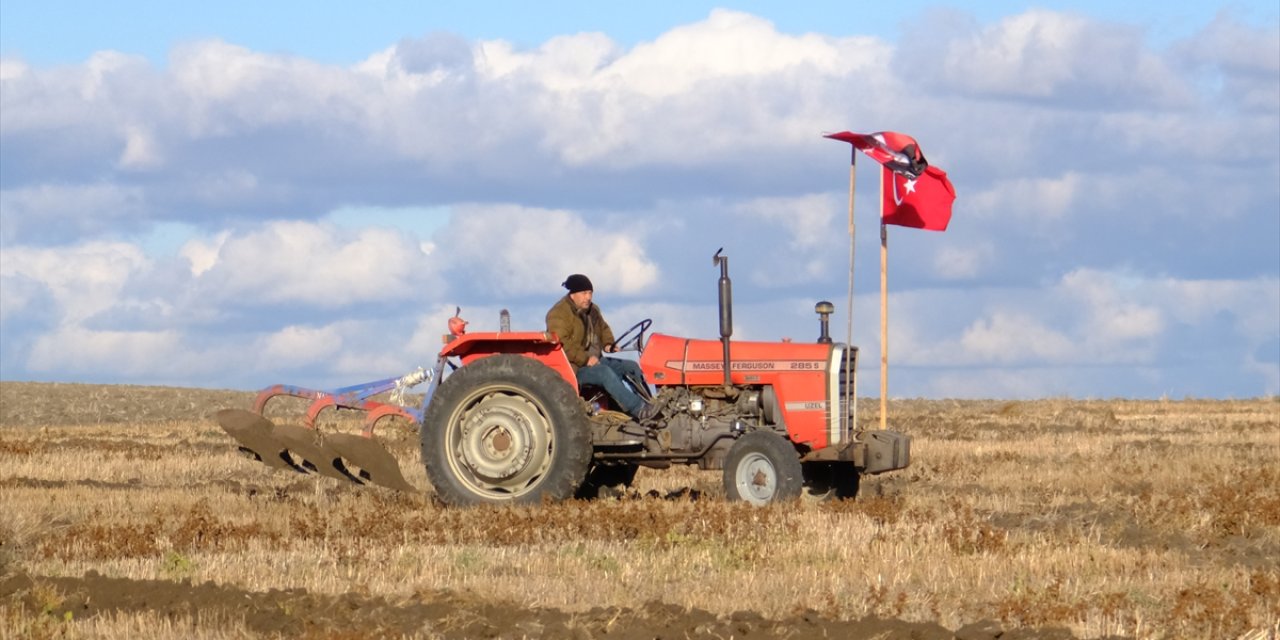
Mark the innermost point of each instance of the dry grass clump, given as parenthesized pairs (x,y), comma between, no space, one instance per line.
(1147,519)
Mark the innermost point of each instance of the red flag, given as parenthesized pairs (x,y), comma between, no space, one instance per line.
(916,194)
(921,203)
(898,151)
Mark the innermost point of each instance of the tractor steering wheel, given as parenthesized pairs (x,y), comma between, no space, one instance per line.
(628,341)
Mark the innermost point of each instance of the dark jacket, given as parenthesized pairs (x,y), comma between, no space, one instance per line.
(582,335)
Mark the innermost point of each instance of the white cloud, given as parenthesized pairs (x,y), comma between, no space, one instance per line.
(140,150)
(808,219)
(12,69)
(518,250)
(201,254)
(295,346)
(227,87)
(963,262)
(562,64)
(1032,198)
(1006,337)
(18,294)
(316,264)
(975,382)
(1245,59)
(727,45)
(1090,323)
(1254,305)
(81,98)
(1048,55)
(82,280)
(696,82)
(105,66)
(1113,317)
(50,209)
(432,326)
(802,252)
(84,352)
(1129,322)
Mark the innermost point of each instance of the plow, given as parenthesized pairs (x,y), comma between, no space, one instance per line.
(358,458)
(503,418)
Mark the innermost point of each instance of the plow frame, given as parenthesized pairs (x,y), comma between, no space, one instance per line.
(356,397)
(358,458)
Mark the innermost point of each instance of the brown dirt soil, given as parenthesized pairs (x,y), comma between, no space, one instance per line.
(443,614)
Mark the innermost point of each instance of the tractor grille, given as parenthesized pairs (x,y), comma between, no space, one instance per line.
(848,387)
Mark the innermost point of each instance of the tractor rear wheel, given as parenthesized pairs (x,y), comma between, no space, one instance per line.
(762,467)
(505,429)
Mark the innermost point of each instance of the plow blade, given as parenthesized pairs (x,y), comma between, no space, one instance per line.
(339,455)
(364,460)
(315,456)
(253,432)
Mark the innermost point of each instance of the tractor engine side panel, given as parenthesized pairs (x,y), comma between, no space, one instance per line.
(690,434)
(798,374)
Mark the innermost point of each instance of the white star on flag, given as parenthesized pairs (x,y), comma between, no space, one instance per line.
(910,185)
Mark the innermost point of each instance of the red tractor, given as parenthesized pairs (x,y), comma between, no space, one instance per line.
(510,423)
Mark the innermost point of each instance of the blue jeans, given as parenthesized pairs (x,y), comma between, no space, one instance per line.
(609,373)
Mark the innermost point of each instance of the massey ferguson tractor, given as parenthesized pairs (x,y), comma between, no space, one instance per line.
(504,420)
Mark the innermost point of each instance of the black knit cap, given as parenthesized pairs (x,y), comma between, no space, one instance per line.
(577,282)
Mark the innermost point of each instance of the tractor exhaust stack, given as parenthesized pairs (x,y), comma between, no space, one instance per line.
(726,310)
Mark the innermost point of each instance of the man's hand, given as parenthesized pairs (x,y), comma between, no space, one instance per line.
(593,361)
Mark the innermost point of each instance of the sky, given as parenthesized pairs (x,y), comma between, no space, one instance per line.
(241,194)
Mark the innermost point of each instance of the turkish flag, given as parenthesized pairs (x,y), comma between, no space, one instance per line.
(922,203)
(898,151)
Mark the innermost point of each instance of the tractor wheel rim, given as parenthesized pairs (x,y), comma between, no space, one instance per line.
(756,479)
(501,444)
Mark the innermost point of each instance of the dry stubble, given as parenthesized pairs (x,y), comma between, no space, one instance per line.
(1149,519)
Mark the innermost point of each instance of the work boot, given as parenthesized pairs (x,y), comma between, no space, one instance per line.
(648,411)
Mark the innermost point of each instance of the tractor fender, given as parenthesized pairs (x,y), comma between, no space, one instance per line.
(543,347)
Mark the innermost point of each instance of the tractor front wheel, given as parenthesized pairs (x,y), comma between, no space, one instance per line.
(762,467)
(505,428)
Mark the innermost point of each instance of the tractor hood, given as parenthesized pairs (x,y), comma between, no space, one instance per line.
(671,360)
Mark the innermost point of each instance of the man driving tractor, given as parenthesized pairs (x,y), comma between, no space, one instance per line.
(586,337)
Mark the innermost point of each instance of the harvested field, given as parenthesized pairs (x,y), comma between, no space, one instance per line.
(128,513)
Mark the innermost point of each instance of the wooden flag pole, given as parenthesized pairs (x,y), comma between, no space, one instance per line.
(853,179)
(884,311)
(847,428)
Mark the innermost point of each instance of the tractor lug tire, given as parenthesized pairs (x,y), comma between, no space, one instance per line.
(762,467)
(505,429)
